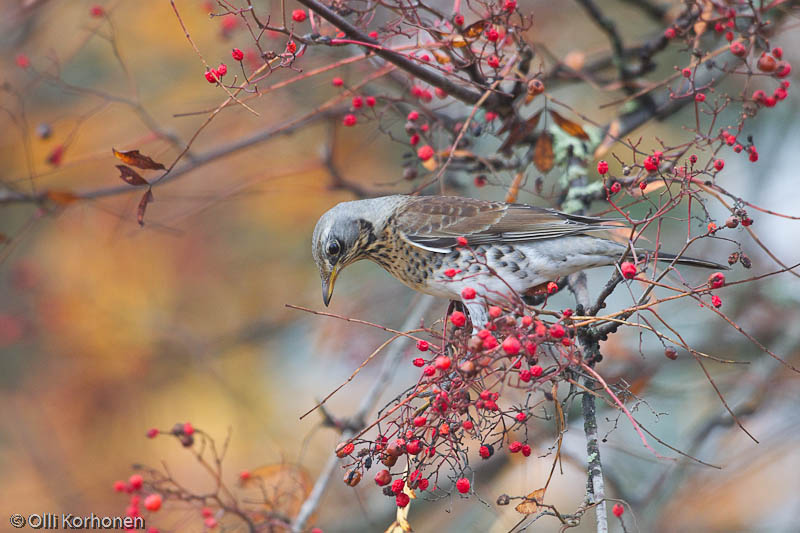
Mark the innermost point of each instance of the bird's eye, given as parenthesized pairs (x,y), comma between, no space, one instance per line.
(334,248)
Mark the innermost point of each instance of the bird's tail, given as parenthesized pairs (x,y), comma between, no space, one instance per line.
(688,261)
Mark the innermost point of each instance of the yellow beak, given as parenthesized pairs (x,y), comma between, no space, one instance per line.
(327,286)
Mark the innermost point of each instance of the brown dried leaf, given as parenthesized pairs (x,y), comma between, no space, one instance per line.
(531,503)
(571,128)
(133,157)
(62,197)
(701,25)
(442,59)
(130,176)
(543,156)
(147,197)
(475,29)
(519,130)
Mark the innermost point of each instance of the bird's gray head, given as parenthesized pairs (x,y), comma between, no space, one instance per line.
(343,235)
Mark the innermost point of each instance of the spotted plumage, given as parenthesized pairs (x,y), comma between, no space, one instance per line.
(510,247)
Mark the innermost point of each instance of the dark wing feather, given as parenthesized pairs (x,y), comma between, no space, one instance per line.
(435,222)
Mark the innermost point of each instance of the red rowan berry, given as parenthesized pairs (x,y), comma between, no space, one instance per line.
(152,433)
(212,76)
(759,96)
(461,241)
(412,116)
(462,485)
(526,321)
(188,429)
(618,510)
(402,499)
(485,452)
(425,152)
(716,280)
(373,35)
(552,287)
(536,371)
(602,167)
(492,35)
(426,96)
(729,36)
(716,301)
(557,331)
(441,94)
(693,159)
(650,164)
(458,319)
(510,5)
(468,293)
(777,52)
(422,346)
(700,97)
(420,421)
(783,70)
(244,475)
(753,154)
(337,82)
(97,11)
(444,429)
(210,522)
(526,450)
(423,484)
(458,19)
(467,424)
(719,164)
(358,102)
(206,512)
(414,140)
(616,187)
(511,346)
(770,101)
(414,447)
(495,311)
(237,54)
(490,343)
(428,371)
(450,272)
(383,478)
(291,47)
(628,270)
(443,362)
(780,93)
(222,69)
(738,49)
(766,63)
(298,15)
(515,446)
(119,486)
(418,362)
(349,120)
(153,502)
(135,481)
(525,376)
(521,417)
(686,73)
(370,101)
(493,61)
(490,116)
(669,33)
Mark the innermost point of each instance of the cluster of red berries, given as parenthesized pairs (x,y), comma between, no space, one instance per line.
(434,420)
(152,502)
(215,74)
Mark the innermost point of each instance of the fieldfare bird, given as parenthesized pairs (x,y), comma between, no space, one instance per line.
(440,245)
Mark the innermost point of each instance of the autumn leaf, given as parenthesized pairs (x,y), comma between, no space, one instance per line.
(130,176)
(62,197)
(475,29)
(442,59)
(135,158)
(519,130)
(571,128)
(531,503)
(543,156)
(147,197)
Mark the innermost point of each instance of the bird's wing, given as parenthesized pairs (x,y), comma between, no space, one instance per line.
(435,222)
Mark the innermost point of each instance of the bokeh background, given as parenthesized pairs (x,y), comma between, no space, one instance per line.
(108,329)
